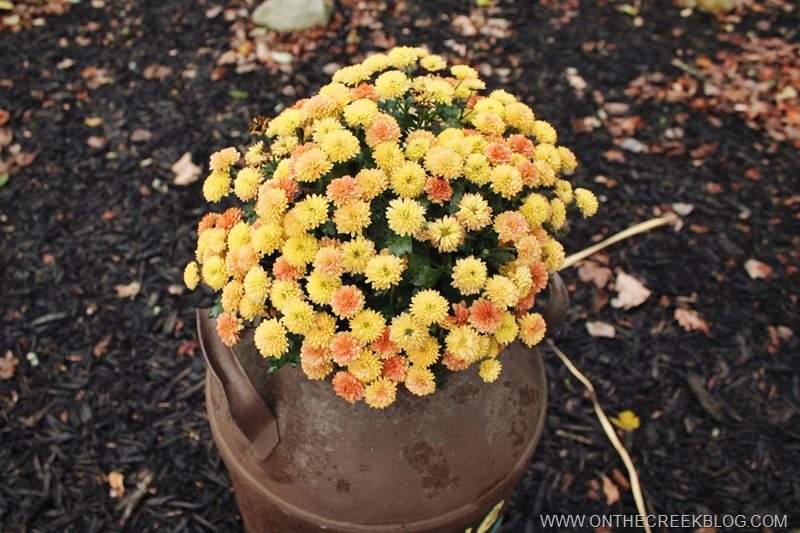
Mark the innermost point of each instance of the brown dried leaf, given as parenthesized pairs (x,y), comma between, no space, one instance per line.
(597,328)
(128,291)
(4,116)
(610,490)
(756,269)
(597,274)
(185,171)
(156,72)
(8,364)
(630,292)
(96,141)
(690,320)
(141,135)
(116,481)
(100,348)
(6,136)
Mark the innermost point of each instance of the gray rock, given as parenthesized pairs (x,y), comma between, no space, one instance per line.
(290,15)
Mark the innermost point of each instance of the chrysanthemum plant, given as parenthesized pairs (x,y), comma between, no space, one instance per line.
(395,226)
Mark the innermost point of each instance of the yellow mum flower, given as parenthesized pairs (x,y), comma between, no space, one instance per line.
(489,105)
(432,90)
(231,296)
(388,156)
(338,93)
(283,292)
(506,181)
(376,63)
(405,216)
(420,381)
(312,165)
(532,328)
(224,159)
(464,72)
(490,370)
(553,255)
(586,201)
(521,276)
(501,291)
(426,354)
(372,181)
(463,343)
(392,84)
(367,325)
(367,367)
(403,56)
(544,132)
(549,153)
(508,330)
(249,310)
(360,113)
(239,235)
(503,97)
(380,393)
(214,273)
(312,211)
(558,213)
(463,146)
(563,190)
(547,175)
(284,145)
(340,146)
(417,147)
(256,284)
(325,126)
(444,162)
(356,254)
(352,217)
(477,169)
(320,287)
(271,203)
(383,271)
(408,180)
(407,332)
(520,116)
(446,234)
(211,241)
(322,330)
(469,275)
(299,250)
(270,339)
(298,316)
(352,75)
(286,123)
(433,63)
(429,307)
(474,212)
(535,209)
(282,170)
(217,185)
(267,238)
(568,160)
(319,107)
(489,123)
(191,275)
(467,87)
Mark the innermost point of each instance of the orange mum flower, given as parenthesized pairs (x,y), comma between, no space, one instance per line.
(497,153)
(451,363)
(485,316)
(345,348)
(365,90)
(229,218)
(285,271)
(346,301)
(540,276)
(439,190)
(329,261)
(420,381)
(380,393)
(314,356)
(529,173)
(511,226)
(383,345)
(208,221)
(228,328)
(521,145)
(532,328)
(343,189)
(383,129)
(347,386)
(395,368)
(289,186)
(526,302)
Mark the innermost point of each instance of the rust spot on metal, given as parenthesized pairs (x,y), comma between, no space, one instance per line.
(432,467)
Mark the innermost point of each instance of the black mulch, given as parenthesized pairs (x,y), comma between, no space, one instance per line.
(108,384)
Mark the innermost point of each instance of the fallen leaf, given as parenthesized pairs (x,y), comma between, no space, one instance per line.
(597,274)
(610,490)
(96,141)
(100,348)
(159,72)
(621,480)
(185,171)
(6,136)
(626,420)
(756,269)
(630,292)
(8,364)
(463,25)
(633,145)
(117,483)
(682,209)
(690,320)
(128,291)
(23,159)
(188,348)
(597,328)
(141,135)
(4,116)
(614,155)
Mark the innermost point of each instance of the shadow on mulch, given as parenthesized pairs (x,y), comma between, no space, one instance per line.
(107,384)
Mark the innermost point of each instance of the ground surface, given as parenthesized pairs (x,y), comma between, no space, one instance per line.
(667,112)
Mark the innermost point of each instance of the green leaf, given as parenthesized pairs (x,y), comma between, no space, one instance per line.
(4,177)
(216,309)
(400,246)
(423,275)
(237,94)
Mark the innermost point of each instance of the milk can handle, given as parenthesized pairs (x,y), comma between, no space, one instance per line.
(557,304)
(247,408)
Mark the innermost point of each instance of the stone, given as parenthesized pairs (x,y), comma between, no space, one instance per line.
(290,15)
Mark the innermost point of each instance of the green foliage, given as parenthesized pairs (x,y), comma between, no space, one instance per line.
(236,94)
(216,309)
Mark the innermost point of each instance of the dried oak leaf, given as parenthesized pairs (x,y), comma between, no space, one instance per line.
(597,274)
(129,290)
(185,171)
(8,364)
(630,292)
(610,490)
(690,320)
